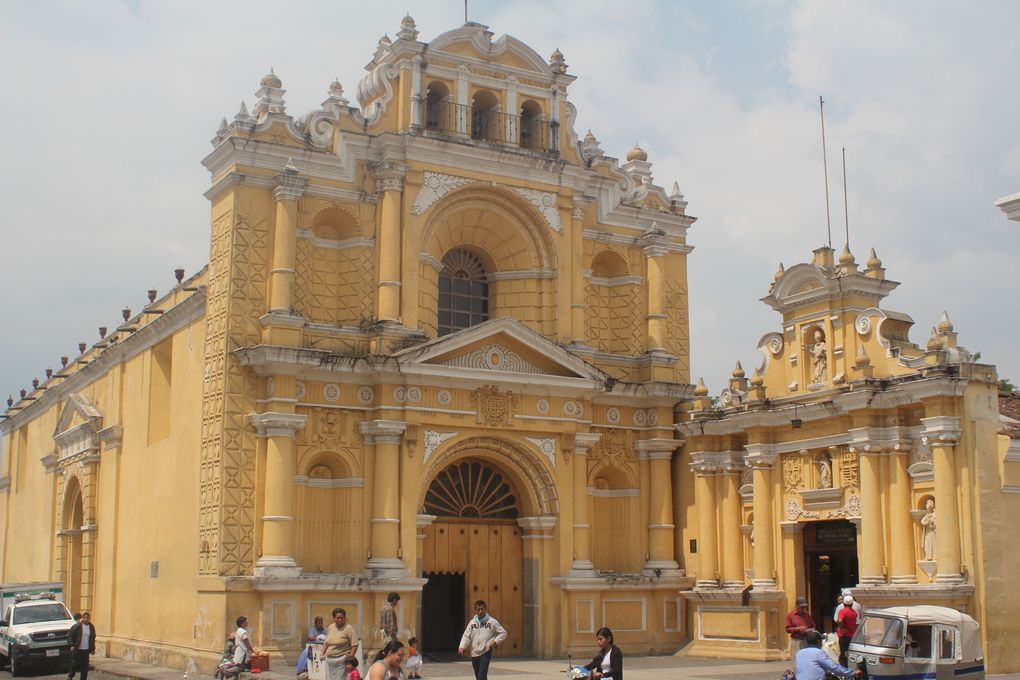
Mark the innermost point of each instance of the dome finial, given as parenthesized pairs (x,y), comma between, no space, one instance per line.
(701,390)
(846,257)
(779,273)
(557,64)
(873,261)
(271,79)
(757,380)
(637,153)
(408,29)
(738,371)
(945,325)
(862,357)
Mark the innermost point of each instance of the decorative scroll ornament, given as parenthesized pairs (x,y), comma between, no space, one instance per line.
(494,407)
(299,390)
(366,395)
(444,397)
(330,392)
(495,357)
(434,186)
(433,440)
(794,510)
(545,203)
(542,406)
(546,446)
(851,509)
(863,325)
(613,415)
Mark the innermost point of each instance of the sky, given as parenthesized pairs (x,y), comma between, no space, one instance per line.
(109,108)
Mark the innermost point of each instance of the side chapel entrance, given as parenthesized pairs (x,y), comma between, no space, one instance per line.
(473,551)
(830,563)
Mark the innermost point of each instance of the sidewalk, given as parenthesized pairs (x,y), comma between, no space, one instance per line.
(637,668)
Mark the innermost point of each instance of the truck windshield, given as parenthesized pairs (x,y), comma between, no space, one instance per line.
(880,631)
(40,613)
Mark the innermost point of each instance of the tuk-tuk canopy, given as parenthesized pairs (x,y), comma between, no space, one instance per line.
(970,631)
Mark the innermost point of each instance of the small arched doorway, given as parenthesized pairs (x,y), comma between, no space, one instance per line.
(73,520)
(473,551)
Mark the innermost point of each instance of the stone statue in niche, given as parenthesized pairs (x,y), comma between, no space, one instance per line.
(825,472)
(819,358)
(928,530)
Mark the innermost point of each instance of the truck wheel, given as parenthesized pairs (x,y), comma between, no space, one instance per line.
(15,666)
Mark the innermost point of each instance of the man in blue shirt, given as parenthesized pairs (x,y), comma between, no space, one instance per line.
(812,662)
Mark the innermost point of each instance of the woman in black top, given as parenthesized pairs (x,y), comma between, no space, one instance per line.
(608,663)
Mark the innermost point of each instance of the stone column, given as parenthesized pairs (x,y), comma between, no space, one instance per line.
(871,548)
(276,557)
(289,188)
(422,522)
(941,434)
(582,566)
(661,552)
(536,534)
(705,465)
(762,459)
(655,285)
(417,100)
(901,528)
(578,334)
(732,547)
(794,582)
(385,435)
(389,184)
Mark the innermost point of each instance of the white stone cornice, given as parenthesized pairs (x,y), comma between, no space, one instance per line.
(383,431)
(761,455)
(49,462)
(583,441)
(538,526)
(329,244)
(289,187)
(657,448)
(389,175)
(864,441)
(602,236)
(432,261)
(274,424)
(328,483)
(941,430)
(1011,206)
(708,462)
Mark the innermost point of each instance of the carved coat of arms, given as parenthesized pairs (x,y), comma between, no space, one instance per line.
(494,407)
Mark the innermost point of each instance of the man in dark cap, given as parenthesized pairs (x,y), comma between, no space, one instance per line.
(798,623)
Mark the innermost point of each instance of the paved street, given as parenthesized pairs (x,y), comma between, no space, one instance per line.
(638,668)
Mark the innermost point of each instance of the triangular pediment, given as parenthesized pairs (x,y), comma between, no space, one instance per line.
(502,346)
(77,411)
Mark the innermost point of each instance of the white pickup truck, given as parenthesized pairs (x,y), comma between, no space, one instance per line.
(34,625)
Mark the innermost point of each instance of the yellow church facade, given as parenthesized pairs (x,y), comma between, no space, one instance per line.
(441,348)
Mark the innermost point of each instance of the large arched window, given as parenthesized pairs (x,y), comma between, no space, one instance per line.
(463,292)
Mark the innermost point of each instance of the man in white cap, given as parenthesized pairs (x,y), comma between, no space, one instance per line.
(839,605)
(846,626)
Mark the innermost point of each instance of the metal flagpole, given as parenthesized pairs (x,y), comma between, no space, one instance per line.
(846,211)
(825,169)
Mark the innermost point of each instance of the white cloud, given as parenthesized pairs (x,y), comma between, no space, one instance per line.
(109,109)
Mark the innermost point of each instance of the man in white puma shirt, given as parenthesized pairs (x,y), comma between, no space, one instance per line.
(481,636)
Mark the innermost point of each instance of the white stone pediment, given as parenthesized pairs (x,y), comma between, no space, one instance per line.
(500,346)
(78,427)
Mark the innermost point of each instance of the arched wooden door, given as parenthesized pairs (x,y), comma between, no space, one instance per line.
(473,551)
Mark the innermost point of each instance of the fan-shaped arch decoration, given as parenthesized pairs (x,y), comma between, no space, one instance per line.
(470,489)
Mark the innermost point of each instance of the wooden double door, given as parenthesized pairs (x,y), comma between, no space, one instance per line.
(473,551)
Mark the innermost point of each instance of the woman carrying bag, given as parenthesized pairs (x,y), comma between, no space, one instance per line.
(608,663)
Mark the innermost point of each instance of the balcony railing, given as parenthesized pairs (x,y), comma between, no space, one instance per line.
(492,126)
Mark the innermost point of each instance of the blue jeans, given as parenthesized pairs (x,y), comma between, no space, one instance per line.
(481,665)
